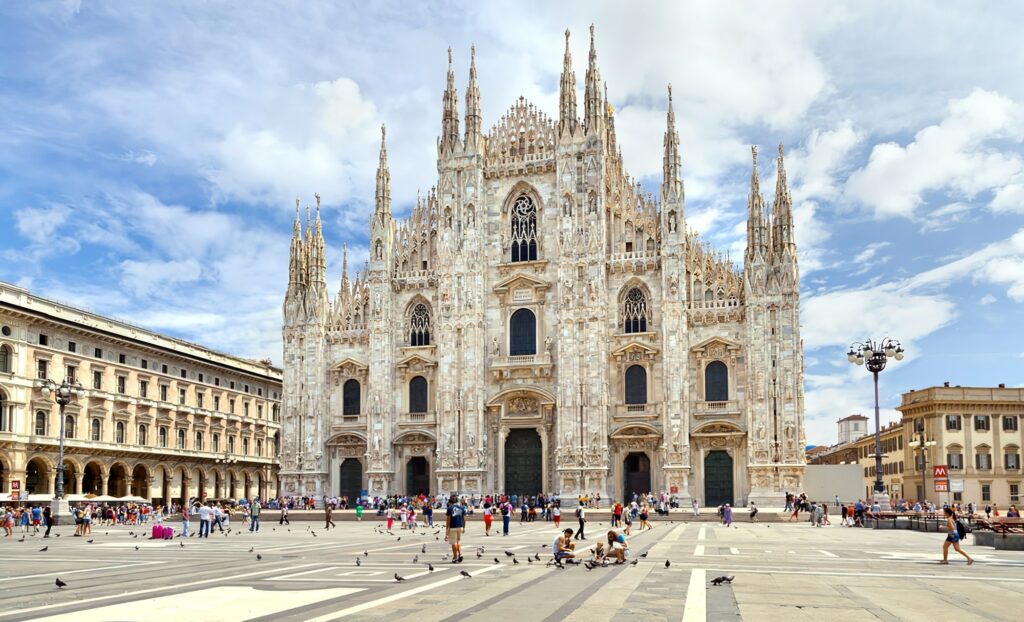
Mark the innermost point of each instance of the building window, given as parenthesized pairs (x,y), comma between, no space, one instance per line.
(163,393)
(231,385)
(184,373)
(142,440)
(275,412)
(350,397)
(1011,460)
(953,422)
(216,402)
(41,423)
(181,439)
(44,340)
(145,364)
(163,369)
(245,409)
(919,462)
(97,430)
(200,377)
(1014,493)
(216,442)
(418,395)
(70,372)
(636,384)
(524,229)
(245,446)
(72,346)
(121,385)
(982,423)
(119,432)
(259,411)
(216,382)
(199,441)
(259,447)
(122,359)
(199,399)
(986,492)
(522,333)
(97,353)
(42,369)
(955,461)
(259,391)
(69,426)
(6,412)
(958,496)
(5,360)
(716,382)
(983,461)
(419,326)
(181,396)
(97,380)
(1010,423)
(635,312)
(231,444)
(231,406)
(143,388)
(162,437)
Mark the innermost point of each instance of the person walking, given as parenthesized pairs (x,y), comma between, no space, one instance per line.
(455,525)
(581,516)
(284,515)
(48,520)
(254,515)
(204,520)
(556,514)
(184,520)
(727,515)
(506,517)
(753,512)
(696,506)
(488,511)
(328,511)
(953,537)
(359,510)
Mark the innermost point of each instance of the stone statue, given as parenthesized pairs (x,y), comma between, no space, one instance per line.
(495,350)
(470,438)
(547,345)
(376,442)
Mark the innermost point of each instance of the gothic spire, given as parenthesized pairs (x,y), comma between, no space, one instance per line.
(317,259)
(344,271)
(567,93)
(757,245)
(450,111)
(383,197)
(296,272)
(671,177)
(473,115)
(782,211)
(592,105)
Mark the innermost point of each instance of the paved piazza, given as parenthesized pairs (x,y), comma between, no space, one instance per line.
(782,571)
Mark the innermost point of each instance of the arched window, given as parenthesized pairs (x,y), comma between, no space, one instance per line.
(142,435)
(163,437)
(5,359)
(119,432)
(634,312)
(199,441)
(350,397)
(69,426)
(41,423)
(636,385)
(181,439)
(524,229)
(6,412)
(418,395)
(522,333)
(96,428)
(716,382)
(419,326)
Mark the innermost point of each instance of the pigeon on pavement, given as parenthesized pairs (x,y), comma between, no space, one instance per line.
(44,549)
(258,557)
(399,578)
(60,583)
(667,563)
(465,574)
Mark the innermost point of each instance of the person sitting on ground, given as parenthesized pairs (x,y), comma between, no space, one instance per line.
(600,555)
(618,547)
(563,547)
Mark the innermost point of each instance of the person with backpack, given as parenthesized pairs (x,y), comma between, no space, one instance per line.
(581,516)
(955,532)
(506,517)
(455,524)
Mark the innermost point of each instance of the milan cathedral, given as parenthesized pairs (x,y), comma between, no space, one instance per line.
(540,323)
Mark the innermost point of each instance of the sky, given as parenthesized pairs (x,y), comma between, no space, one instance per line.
(151,154)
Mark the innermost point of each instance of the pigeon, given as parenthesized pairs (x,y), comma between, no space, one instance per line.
(136,547)
(258,557)
(667,563)
(423,549)
(399,578)
(181,544)
(634,562)
(399,539)
(529,560)
(515,561)
(60,583)
(644,554)
(44,549)
(479,554)
(366,553)
(359,562)
(22,539)
(722,579)
(465,574)
(430,567)
(589,565)
(416,559)
(131,533)
(251,548)
(314,534)
(536,556)
(510,554)
(496,561)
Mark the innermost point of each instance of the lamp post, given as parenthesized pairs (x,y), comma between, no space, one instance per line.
(920,443)
(63,394)
(227,458)
(875,355)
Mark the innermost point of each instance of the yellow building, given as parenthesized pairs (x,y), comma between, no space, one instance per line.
(161,418)
(975,431)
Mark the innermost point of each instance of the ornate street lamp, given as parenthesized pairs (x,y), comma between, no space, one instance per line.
(63,394)
(921,443)
(875,355)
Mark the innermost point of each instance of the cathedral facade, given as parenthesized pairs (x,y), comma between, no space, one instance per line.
(540,323)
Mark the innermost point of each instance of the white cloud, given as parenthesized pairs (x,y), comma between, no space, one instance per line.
(146,277)
(960,155)
(988,299)
(146,158)
(1009,198)
(869,252)
(1000,263)
(39,224)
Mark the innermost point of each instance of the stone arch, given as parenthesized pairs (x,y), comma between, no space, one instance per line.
(524,210)
(94,473)
(542,395)
(636,310)
(118,479)
(140,477)
(413,436)
(38,475)
(419,321)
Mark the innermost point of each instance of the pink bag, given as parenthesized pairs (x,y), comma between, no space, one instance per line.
(168,533)
(158,532)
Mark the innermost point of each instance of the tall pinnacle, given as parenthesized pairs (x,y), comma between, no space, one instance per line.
(592,104)
(450,111)
(344,270)
(473,115)
(757,244)
(782,230)
(383,197)
(296,269)
(567,93)
(671,177)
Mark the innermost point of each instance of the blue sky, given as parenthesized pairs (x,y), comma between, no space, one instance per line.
(150,153)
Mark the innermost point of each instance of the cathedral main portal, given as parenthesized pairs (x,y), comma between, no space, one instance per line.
(523,462)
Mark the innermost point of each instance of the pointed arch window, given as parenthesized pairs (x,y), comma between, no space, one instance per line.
(635,311)
(524,229)
(636,385)
(418,395)
(419,326)
(350,395)
(522,333)
(716,382)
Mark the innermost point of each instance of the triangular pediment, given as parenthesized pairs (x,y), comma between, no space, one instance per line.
(635,346)
(349,365)
(519,280)
(720,341)
(416,360)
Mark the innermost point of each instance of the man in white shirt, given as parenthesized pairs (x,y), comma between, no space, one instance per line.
(205,513)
